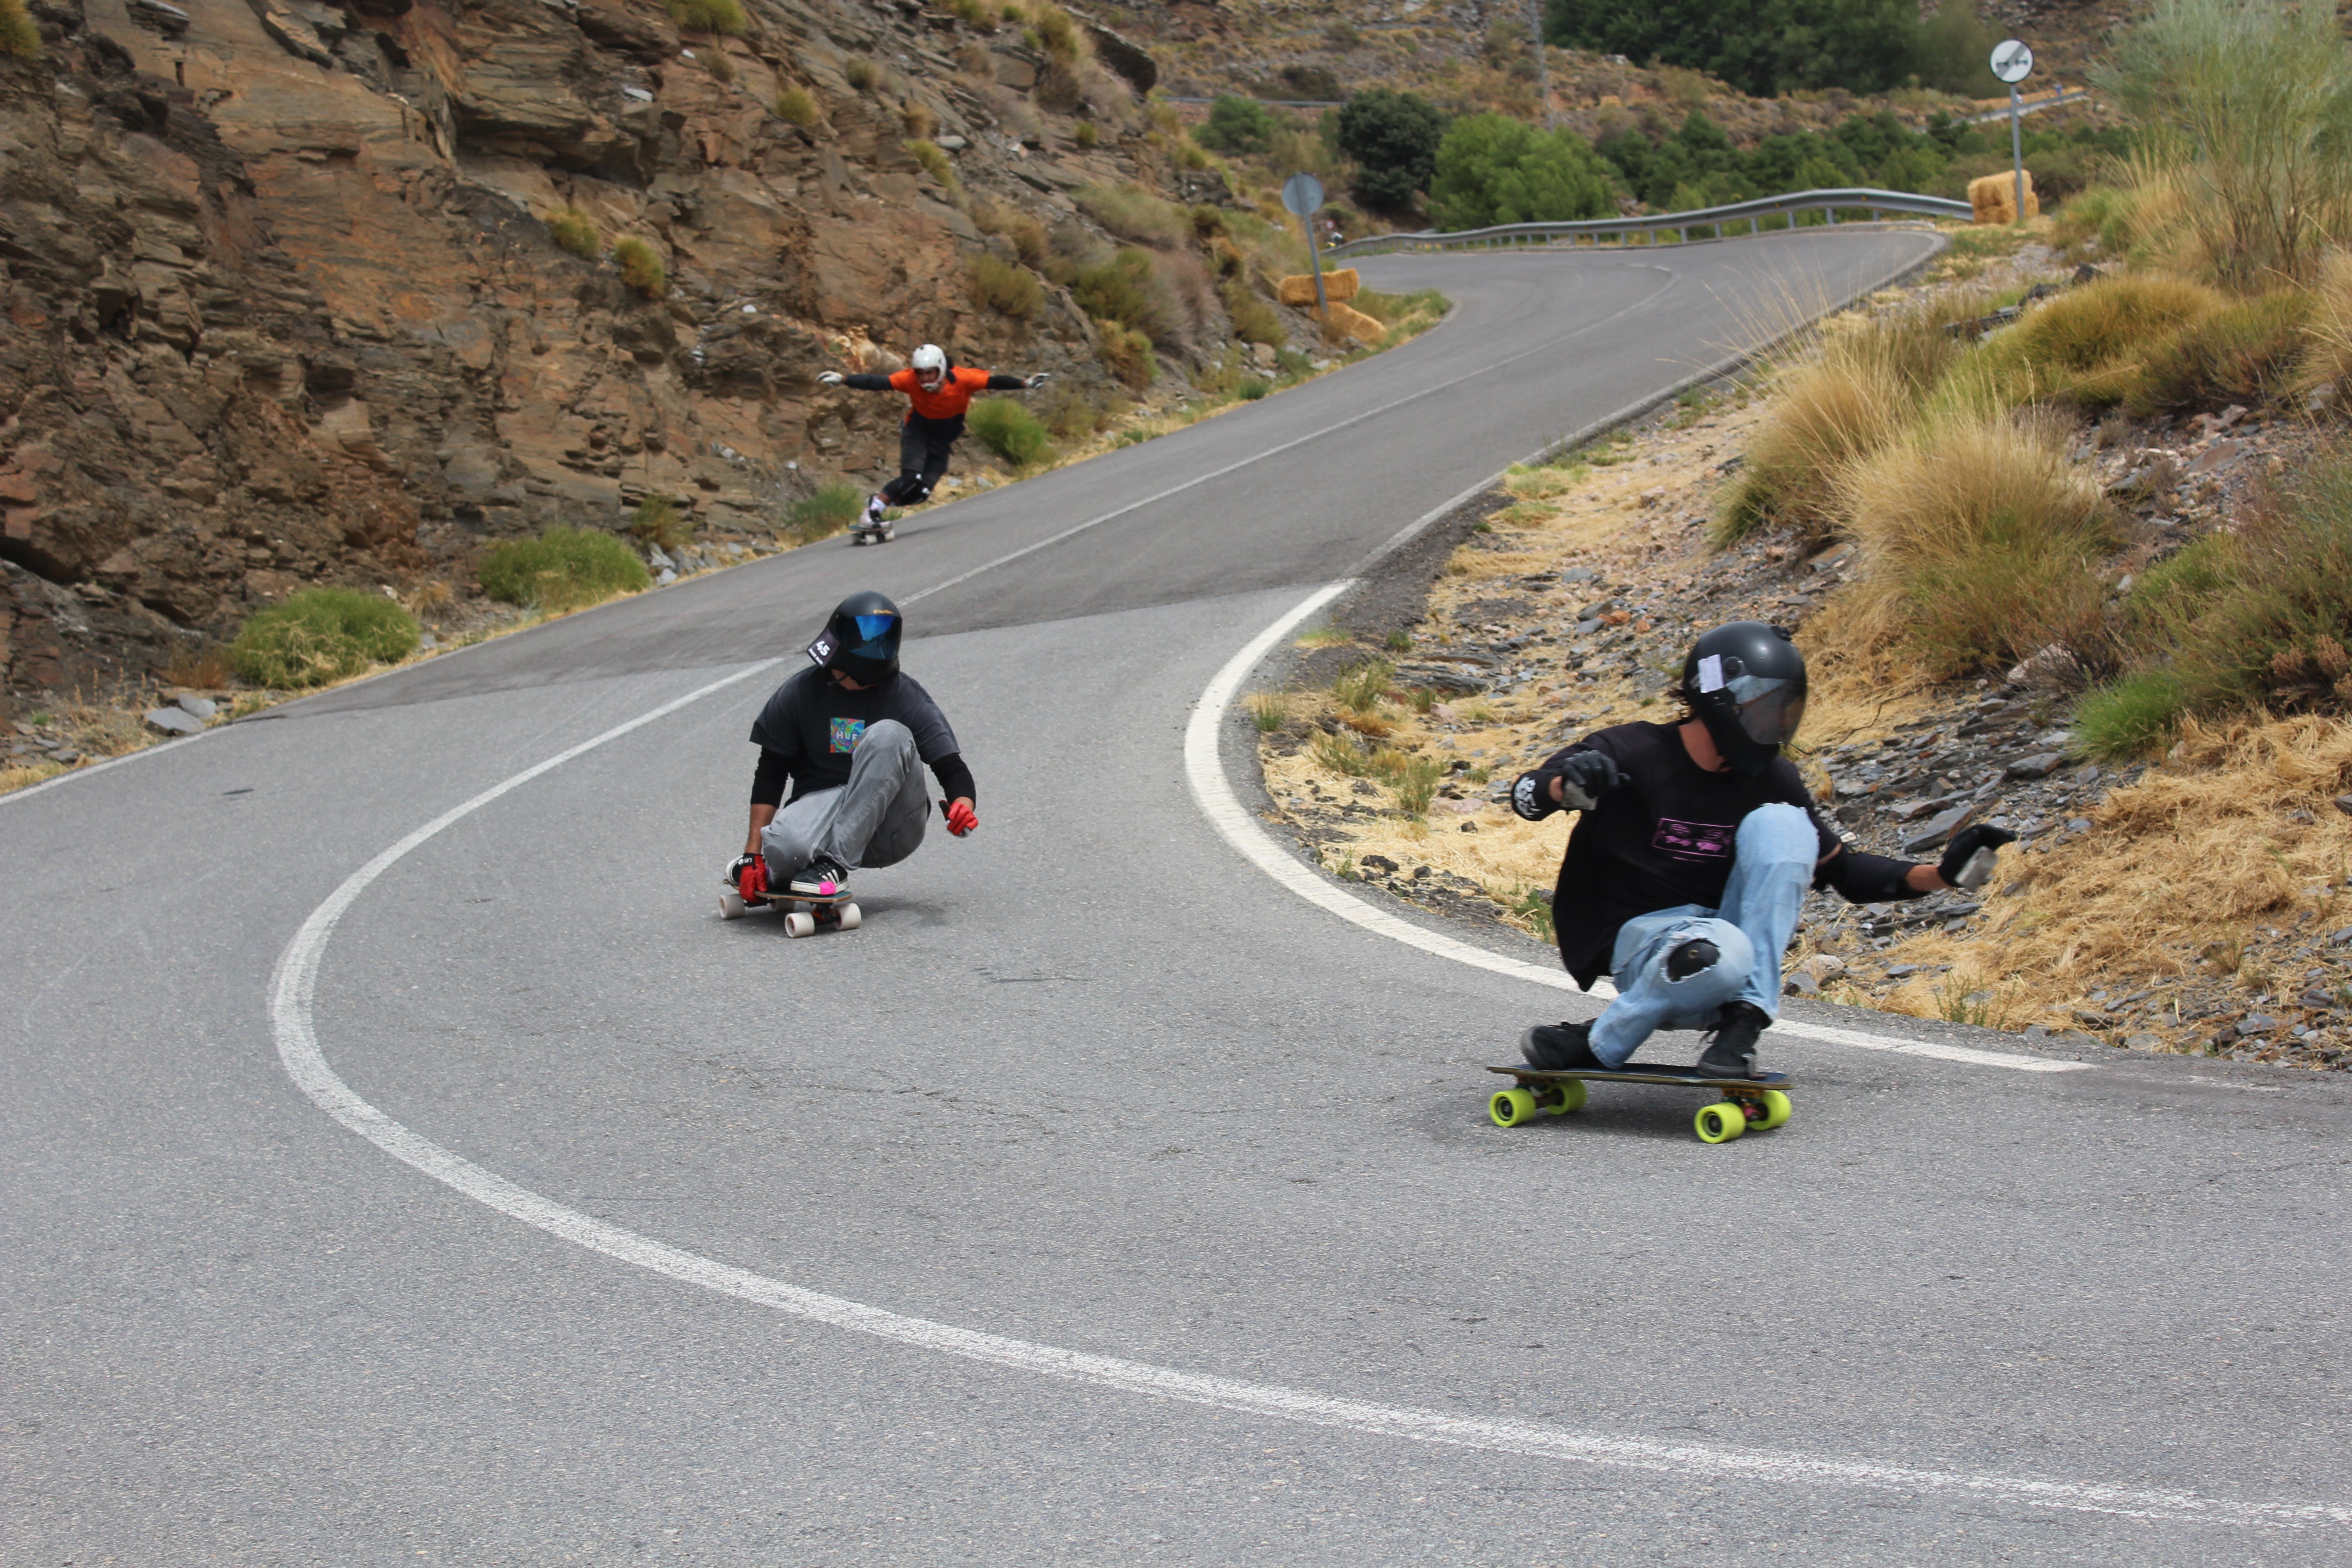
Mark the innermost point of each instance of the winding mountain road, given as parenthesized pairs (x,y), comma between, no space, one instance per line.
(405,1165)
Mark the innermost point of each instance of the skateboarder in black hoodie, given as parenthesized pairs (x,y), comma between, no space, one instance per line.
(847,734)
(1685,876)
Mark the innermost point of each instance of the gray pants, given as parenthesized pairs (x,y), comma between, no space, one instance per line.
(875,819)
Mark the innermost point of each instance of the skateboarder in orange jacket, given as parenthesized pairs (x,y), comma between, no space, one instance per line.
(938,394)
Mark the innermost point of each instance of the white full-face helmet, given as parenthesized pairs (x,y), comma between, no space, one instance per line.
(929,362)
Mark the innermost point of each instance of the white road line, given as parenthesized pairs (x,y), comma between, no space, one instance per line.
(293,991)
(1224,810)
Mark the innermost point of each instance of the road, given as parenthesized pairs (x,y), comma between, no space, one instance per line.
(407,1166)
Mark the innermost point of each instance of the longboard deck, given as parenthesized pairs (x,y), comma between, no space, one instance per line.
(1687,1077)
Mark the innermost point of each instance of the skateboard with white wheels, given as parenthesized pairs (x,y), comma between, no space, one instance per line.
(1759,1104)
(872,532)
(803,916)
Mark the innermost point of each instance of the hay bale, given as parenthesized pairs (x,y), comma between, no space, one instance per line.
(1993,197)
(1346,321)
(1298,291)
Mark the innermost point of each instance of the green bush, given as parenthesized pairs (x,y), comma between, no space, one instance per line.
(1492,169)
(18,35)
(1086,135)
(1012,432)
(2240,351)
(1253,388)
(707,15)
(1132,213)
(824,511)
(1127,290)
(641,268)
(860,73)
(1255,321)
(1392,138)
(934,160)
(797,105)
(2130,717)
(658,520)
(563,569)
(1126,354)
(1009,290)
(575,232)
(321,634)
(1237,126)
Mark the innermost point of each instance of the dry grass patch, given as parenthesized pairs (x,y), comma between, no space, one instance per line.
(2239,826)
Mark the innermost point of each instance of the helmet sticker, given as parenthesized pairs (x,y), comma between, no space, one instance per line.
(1710,673)
(821,651)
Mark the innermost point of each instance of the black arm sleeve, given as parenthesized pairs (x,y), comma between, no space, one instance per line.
(769,779)
(999,382)
(954,777)
(1866,878)
(868,382)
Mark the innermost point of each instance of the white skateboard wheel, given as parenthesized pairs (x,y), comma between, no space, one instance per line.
(850,917)
(799,924)
(730,906)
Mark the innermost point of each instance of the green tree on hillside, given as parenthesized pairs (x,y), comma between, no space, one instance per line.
(1237,125)
(1492,169)
(1761,46)
(1393,139)
(1955,51)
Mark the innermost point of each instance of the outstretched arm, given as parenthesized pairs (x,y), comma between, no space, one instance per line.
(999,382)
(859,383)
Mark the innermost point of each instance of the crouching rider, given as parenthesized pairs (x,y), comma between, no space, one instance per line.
(1685,874)
(848,736)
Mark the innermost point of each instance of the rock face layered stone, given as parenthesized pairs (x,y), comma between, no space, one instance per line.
(282,305)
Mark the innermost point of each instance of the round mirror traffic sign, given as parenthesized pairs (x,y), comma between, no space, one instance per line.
(2013,61)
(1302,193)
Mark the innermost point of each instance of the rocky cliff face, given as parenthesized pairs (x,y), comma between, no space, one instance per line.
(282,303)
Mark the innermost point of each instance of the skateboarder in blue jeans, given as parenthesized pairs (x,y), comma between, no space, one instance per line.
(1698,844)
(847,734)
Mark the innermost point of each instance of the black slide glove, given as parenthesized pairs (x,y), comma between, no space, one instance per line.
(1584,778)
(1968,859)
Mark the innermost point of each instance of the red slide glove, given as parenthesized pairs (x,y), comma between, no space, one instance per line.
(752,876)
(961,818)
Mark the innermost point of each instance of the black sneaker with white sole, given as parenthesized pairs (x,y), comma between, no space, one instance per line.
(821,880)
(1560,1047)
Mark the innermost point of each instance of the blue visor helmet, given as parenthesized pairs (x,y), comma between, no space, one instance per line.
(860,639)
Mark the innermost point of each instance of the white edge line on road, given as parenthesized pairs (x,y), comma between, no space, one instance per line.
(293,989)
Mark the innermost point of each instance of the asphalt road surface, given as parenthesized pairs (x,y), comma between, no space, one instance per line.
(403,1168)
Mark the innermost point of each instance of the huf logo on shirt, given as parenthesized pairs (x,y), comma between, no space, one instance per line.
(1694,840)
(847,733)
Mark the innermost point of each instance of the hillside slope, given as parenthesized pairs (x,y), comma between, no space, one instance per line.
(284,304)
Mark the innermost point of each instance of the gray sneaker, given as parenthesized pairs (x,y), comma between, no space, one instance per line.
(821,880)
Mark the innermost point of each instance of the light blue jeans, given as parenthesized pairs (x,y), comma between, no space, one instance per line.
(1771,865)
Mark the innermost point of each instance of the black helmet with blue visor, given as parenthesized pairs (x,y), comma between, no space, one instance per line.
(860,639)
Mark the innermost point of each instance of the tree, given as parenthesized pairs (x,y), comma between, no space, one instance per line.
(1763,47)
(1492,169)
(1955,51)
(1237,125)
(1393,139)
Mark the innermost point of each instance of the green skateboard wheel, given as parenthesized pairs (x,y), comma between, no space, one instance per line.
(1512,1106)
(1721,1122)
(1776,1107)
(1561,1097)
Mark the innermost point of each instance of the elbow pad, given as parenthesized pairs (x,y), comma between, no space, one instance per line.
(1868,879)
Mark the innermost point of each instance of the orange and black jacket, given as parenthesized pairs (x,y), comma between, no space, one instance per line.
(952,398)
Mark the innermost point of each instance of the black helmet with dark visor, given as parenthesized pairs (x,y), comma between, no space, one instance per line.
(1746,683)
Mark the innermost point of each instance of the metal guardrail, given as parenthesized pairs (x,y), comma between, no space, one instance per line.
(1747,217)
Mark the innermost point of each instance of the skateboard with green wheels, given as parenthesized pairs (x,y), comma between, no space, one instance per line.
(1747,1103)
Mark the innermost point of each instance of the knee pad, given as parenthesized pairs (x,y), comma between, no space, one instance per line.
(1691,957)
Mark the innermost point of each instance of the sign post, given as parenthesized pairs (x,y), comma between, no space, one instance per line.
(1303,194)
(2012,62)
